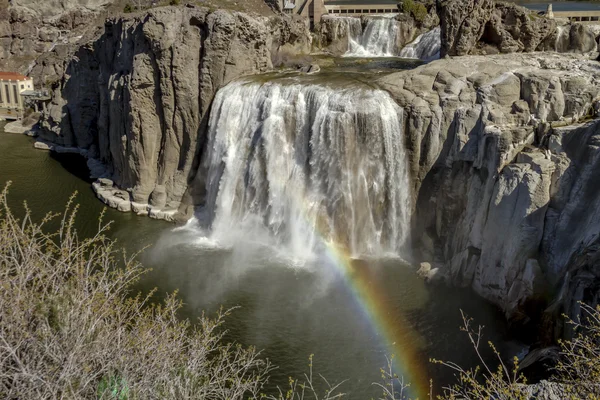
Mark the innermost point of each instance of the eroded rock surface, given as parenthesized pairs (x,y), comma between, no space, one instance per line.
(31,28)
(490,27)
(136,96)
(507,198)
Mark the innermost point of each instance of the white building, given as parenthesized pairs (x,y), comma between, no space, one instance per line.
(12,85)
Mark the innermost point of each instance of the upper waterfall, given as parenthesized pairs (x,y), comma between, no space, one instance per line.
(425,47)
(378,39)
(310,163)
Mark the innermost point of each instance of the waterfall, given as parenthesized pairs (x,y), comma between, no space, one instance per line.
(342,27)
(378,39)
(307,164)
(425,47)
(562,39)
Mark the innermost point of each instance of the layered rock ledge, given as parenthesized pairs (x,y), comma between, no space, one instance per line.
(491,27)
(502,152)
(137,95)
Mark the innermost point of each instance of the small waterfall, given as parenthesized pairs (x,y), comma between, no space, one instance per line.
(307,163)
(378,39)
(562,39)
(425,47)
(342,27)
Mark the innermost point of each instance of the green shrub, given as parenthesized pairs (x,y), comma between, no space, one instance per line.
(128,8)
(417,10)
(174,2)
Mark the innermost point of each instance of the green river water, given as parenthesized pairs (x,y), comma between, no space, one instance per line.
(288,312)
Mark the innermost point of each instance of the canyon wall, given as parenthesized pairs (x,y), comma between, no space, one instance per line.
(506,199)
(31,28)
(135,97)
(491,27)
(501,174)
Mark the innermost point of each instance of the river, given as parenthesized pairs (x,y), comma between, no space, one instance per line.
(289,309)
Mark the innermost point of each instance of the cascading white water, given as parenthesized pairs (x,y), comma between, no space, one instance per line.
(425,47)
(378,39)
(309,163)
(562,39)
(342,27)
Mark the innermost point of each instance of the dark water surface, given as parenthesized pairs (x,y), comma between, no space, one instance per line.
(289,311)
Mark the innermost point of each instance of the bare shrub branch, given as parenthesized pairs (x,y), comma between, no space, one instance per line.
(579,366)
(70,329)
(484,381)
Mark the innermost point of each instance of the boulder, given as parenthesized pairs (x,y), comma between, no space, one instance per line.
(310,69)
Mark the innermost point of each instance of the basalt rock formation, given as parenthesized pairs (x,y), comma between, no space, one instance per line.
(31,28)
(490,27)
(507,200)
(135,97)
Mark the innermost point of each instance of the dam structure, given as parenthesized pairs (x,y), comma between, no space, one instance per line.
(315,9)
(591,17)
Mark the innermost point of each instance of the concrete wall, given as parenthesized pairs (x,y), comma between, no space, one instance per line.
(11,101)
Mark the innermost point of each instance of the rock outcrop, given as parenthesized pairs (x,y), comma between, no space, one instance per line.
(506,199)
(490,27)
(31,28)
(136,96)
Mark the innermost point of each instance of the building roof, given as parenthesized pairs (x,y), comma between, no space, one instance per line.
(12,76)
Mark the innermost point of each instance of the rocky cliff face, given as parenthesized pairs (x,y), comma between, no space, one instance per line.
(506,198)
(490,27)
(30,28)
(135,98)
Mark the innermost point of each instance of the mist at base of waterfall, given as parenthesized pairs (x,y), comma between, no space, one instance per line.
(290,308)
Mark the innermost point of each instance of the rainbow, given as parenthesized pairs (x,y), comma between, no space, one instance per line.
(399,339)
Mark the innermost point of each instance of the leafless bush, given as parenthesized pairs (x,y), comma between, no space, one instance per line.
(70,329)
(484,381)
(579,366)
(393,386)
(306,389)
